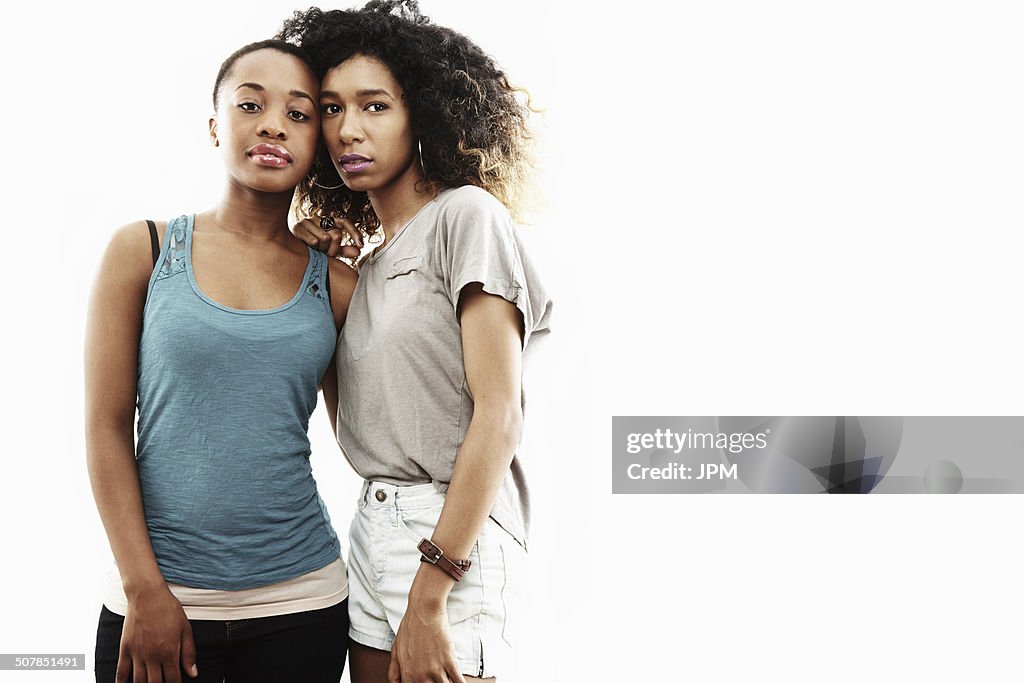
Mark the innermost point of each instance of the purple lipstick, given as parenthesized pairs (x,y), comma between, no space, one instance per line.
(354,163)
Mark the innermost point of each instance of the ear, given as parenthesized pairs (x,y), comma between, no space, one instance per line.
(213,131)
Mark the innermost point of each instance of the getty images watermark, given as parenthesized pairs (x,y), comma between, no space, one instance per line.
(818,454)
(677,454)
(666,441)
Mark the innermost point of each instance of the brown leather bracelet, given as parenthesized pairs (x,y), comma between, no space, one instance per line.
(429,552)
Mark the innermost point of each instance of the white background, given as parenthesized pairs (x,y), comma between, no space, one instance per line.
(787,208)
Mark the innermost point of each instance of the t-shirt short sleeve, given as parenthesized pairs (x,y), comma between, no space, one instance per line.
(478,243)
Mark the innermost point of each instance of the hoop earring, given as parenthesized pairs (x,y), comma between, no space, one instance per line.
(325,187)
(419,150)
(318,167)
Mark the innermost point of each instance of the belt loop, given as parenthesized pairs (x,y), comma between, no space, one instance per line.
(393,505)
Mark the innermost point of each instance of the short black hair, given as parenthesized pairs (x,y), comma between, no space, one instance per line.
(271,44)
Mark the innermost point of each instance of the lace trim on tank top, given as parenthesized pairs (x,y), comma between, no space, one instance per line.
(174,260)
(316,287)
(175,256)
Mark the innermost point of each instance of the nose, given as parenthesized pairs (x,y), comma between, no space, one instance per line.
(271,126)
(349,130)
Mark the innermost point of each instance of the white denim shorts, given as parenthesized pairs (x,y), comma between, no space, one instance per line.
(386,528)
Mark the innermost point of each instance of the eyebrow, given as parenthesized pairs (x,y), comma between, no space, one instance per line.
(366,92)
(260,88)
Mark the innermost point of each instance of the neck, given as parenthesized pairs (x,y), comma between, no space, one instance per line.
(396,204)
(259,214)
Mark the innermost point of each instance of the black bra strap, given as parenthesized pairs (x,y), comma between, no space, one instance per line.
(154,241)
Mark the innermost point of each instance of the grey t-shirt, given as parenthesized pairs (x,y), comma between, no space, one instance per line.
(404,404)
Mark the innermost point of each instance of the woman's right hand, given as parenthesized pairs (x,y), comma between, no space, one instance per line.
(156,643)
(343,240)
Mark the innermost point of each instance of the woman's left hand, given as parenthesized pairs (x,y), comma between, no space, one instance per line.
(422,651)
(343,240)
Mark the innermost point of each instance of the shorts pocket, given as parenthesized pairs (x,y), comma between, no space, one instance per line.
(508,567)
(509,599)
(419,523)
(467,598)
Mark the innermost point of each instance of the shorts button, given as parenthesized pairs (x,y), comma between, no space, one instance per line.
(380,495)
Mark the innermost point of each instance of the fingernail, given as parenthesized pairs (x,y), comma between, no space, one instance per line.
(195,670)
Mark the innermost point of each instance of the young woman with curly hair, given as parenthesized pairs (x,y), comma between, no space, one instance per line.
(219,326)
(426,146)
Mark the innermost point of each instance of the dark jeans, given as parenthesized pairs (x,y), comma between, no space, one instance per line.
(306,646)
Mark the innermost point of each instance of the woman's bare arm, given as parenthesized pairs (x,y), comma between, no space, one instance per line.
(156,633)
(343,283)
(492,354)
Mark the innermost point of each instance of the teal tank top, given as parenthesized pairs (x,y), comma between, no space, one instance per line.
(225,397)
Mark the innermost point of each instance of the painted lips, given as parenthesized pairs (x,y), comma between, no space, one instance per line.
(354,163)
(274,156)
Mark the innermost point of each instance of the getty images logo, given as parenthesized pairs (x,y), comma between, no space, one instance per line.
(668,440)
